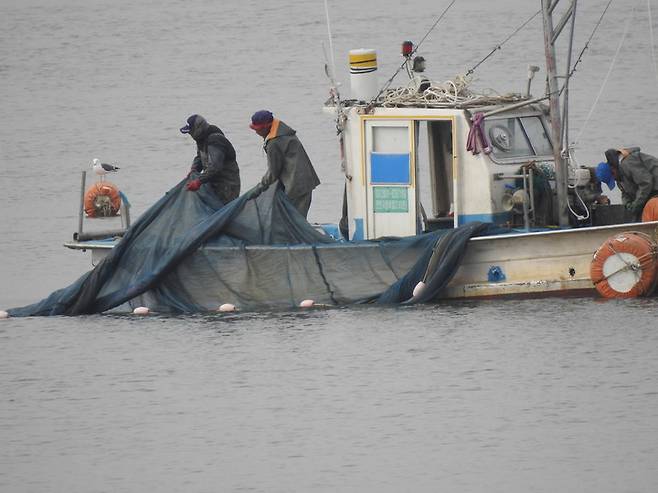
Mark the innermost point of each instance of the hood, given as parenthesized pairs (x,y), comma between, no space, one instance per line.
(199,129)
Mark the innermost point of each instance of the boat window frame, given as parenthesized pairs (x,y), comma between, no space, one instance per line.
(522,159)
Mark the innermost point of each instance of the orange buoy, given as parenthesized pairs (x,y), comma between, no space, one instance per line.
(625,265)
(102,199)
(650,211)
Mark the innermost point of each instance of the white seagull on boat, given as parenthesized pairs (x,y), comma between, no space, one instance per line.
(102,169)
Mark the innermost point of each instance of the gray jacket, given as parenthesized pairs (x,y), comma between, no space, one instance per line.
(638,178)
(288,162)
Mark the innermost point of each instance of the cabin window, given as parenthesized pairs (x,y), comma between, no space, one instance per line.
(518,137)
(534,127)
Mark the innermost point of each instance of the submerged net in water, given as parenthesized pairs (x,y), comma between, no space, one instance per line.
(189,253)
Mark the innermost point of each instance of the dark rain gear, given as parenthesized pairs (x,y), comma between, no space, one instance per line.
(638,179)
(215,160)
(288,162)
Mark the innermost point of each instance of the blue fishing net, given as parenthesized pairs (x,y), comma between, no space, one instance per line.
(189,253)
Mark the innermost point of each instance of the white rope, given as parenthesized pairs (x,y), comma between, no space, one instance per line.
(573,164)
(653,44)
(449,94)
(607,76)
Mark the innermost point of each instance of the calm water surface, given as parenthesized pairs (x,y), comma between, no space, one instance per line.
(511,396)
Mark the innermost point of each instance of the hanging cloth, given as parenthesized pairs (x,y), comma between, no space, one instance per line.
(477,140)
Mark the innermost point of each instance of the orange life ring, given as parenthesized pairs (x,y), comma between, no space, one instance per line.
(102,199)
(625,265)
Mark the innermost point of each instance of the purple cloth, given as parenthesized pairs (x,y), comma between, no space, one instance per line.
(477,140)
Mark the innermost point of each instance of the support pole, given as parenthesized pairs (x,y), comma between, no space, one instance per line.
(126,215)
(556,121)
(82,202)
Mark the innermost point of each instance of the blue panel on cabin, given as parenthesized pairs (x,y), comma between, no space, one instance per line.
(358,229)
(389,168)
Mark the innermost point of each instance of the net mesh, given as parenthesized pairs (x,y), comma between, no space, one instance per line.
(189,253)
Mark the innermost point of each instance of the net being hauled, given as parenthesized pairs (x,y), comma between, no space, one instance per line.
(188,253)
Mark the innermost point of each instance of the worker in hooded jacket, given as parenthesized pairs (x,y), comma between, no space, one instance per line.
(637,175)
(287,160)
(215,160)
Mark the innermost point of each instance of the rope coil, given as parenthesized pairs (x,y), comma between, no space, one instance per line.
(453,93)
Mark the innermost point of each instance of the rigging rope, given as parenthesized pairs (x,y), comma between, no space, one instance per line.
(500,45)
(605,80)
(596,27)
(404,63)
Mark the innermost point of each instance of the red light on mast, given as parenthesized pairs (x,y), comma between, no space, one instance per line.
(407,48)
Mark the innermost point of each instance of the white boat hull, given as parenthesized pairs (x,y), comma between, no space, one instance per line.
(555,262)
(529,264)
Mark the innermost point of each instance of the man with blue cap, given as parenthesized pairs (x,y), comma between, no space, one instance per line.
(636,173)
(604,174)
(215,162)
(287,161)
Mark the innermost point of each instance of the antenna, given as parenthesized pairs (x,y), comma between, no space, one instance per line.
(331,41)
(653,50)
(335,94)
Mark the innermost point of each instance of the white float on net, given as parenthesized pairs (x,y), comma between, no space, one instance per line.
(141,310)
(420,287)
(4,314)
(307,303)
(226,307)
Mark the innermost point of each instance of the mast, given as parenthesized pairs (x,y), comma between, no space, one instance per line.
(558,127)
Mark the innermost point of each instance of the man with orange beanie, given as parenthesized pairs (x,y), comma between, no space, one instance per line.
(287,160)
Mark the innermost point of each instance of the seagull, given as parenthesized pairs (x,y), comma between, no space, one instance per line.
(102,169)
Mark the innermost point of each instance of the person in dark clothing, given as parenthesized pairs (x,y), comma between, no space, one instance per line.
(287,160)
(215,160)
(637,176)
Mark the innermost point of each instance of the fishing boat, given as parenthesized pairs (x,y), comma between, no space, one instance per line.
(448,194)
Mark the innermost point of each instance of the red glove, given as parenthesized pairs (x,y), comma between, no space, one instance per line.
(194,185)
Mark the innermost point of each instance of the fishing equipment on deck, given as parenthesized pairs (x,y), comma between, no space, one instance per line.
(625,266)
(102,199)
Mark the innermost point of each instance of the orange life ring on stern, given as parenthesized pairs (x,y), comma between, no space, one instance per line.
(102,199)
(625,265)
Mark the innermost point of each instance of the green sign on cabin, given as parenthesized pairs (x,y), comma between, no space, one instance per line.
(390,199)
